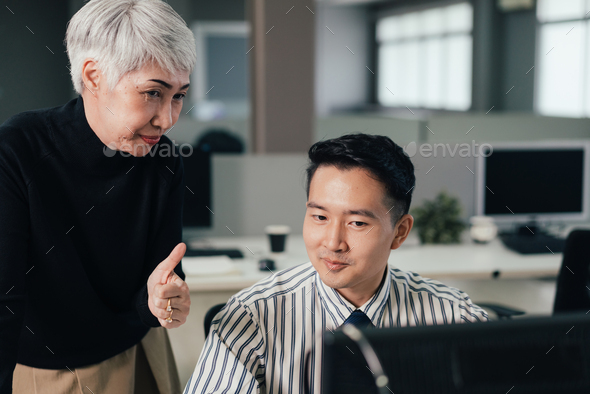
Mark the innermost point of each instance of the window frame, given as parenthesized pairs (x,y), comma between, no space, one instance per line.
(382,13)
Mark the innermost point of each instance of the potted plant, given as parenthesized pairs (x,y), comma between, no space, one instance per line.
(438,221)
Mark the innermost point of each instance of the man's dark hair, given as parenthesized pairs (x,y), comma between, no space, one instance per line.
(377,154)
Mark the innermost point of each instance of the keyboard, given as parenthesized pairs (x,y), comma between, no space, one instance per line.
(533,244)
(232,253)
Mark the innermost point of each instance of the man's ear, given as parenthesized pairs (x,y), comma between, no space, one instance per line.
(402,230)
(91,76)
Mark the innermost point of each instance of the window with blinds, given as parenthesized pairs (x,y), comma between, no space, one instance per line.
(425,58)
(562,84)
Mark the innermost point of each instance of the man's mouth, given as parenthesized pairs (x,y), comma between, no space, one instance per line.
(334,265)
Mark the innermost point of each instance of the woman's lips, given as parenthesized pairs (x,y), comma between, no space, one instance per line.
(150,140)
(334,265)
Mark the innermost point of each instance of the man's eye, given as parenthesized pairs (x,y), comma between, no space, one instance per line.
(319,217)
(359,224)
(179,96)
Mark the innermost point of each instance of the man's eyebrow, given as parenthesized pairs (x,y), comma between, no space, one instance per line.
(361,212)
(312,204)
(167,85)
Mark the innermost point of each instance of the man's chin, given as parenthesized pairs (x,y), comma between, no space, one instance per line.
(333,282)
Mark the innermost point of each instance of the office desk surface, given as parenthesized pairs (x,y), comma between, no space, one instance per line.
(461,261)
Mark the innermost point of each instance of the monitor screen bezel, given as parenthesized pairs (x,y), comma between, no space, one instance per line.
(510,218)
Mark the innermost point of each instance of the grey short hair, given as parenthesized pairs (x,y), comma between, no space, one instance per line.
(123,35)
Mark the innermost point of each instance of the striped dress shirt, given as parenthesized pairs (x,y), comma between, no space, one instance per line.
(259,340)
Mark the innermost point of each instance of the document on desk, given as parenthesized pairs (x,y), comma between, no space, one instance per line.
(209,266)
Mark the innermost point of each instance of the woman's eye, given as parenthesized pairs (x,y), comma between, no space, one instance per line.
(153,93)
(179,96)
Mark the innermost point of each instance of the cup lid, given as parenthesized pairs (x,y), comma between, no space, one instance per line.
(277,229)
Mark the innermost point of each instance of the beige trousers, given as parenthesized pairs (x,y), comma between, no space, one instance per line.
(146,368)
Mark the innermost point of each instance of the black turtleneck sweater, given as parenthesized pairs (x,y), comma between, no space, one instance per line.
(81,229)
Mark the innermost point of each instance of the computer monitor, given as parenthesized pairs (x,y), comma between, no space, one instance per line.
(534,181)
(521,356)
(197,191)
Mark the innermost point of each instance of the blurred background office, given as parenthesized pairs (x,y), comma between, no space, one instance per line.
(279,78)
(273,77)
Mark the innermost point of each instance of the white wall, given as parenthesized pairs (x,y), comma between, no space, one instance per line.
(505,127)
(252,191)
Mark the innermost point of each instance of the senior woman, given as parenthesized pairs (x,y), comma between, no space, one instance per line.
(90,212)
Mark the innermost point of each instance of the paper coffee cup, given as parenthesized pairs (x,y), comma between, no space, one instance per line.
(277,235)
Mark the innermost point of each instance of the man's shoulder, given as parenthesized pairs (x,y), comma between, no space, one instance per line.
(281,283)
(414,283)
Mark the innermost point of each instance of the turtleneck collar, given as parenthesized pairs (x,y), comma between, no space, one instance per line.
(80,145)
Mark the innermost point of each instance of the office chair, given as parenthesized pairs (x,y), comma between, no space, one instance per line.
(209,317)
(572,293)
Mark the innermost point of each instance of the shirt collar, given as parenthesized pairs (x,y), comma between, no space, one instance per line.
(339,309)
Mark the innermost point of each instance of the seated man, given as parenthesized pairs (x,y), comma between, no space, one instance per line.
(359,189)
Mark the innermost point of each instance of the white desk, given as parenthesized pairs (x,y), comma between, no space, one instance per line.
(461,261)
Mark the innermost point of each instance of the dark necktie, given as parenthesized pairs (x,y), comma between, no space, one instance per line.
(359,320)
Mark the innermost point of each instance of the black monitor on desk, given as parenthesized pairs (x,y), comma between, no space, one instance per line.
(197,191)
(521,356)
(197,211)
(523,184)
